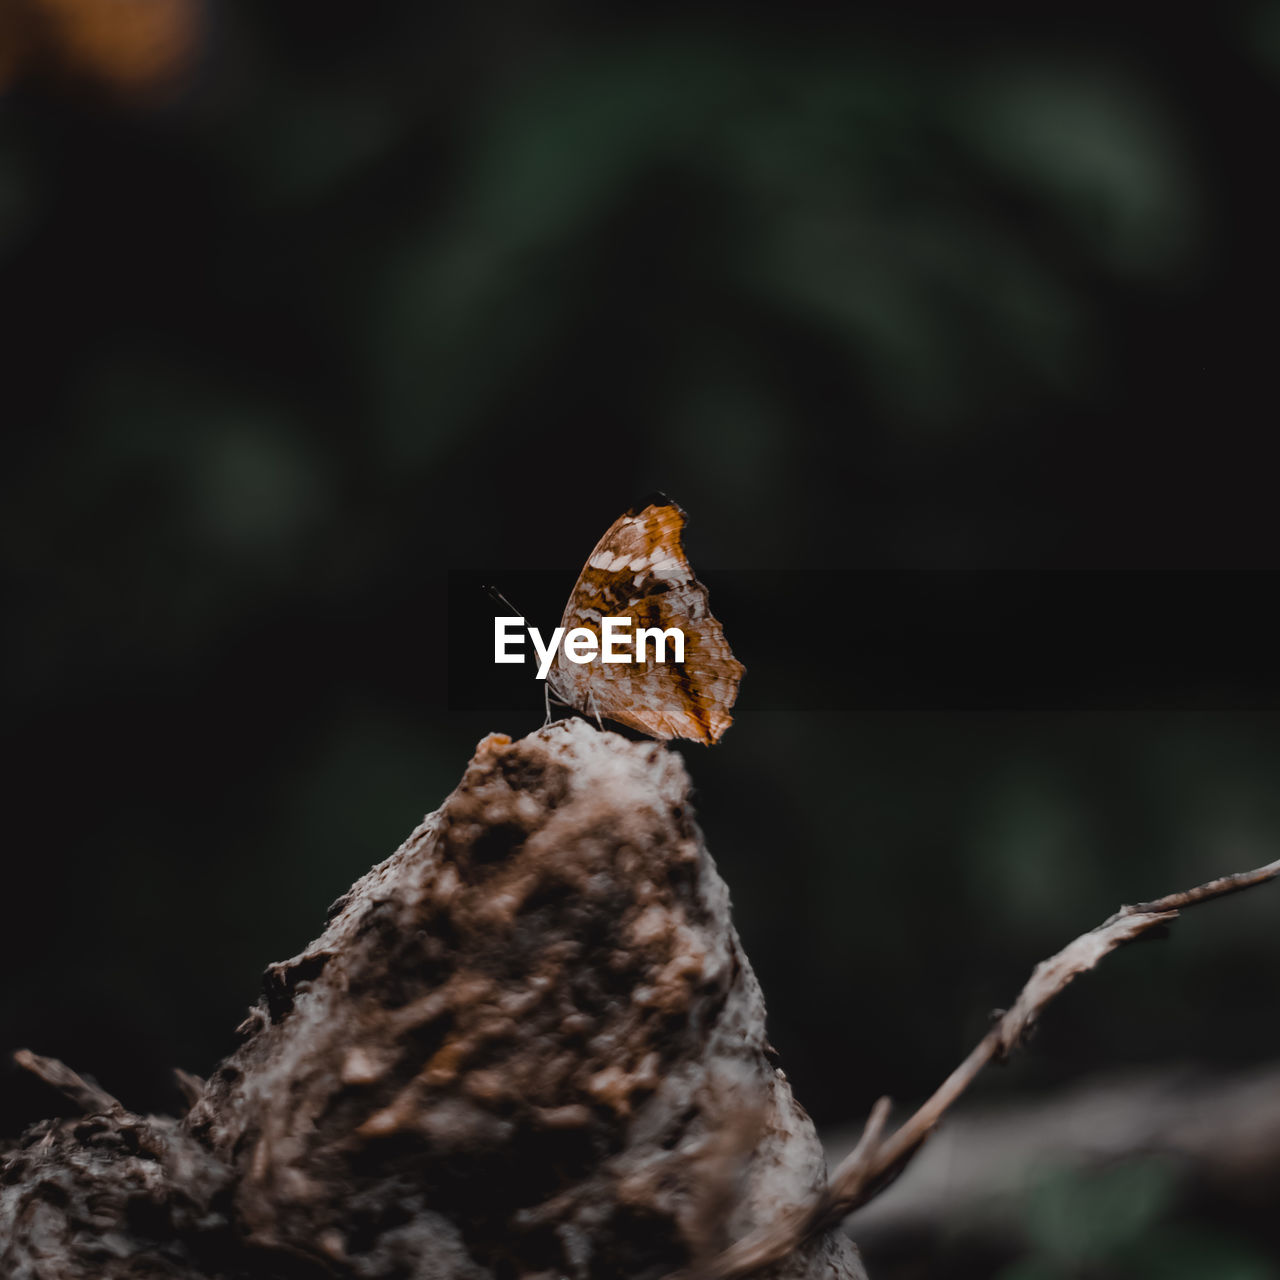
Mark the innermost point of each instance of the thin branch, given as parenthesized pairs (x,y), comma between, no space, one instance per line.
(89,1097)
(191,1086)
(873,1164)
(1213,889)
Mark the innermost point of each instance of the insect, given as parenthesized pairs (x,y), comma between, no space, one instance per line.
(639,570)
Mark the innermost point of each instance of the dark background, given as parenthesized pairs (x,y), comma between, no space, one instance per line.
(308,306)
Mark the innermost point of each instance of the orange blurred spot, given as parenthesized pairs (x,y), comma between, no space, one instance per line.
(135,49)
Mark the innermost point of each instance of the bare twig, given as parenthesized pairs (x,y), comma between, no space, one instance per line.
(1213,889)
(89,1097)
(873,1164)
(191,1086)
(1225,1123)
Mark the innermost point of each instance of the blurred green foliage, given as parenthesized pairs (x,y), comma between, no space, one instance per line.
(1119,1222)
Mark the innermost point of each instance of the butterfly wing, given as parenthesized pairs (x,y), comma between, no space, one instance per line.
(639,570)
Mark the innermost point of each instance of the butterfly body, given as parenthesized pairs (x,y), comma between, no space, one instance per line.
(638,570)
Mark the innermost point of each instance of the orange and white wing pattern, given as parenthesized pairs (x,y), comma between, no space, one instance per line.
(639,570)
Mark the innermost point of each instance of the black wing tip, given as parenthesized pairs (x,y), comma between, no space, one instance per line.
(655,499)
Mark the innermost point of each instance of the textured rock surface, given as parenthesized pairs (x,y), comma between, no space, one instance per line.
(528,1043)
(113,1195)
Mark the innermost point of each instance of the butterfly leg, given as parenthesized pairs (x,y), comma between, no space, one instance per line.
(546,698)
(595,710)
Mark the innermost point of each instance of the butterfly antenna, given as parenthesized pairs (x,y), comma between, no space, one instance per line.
(497,595)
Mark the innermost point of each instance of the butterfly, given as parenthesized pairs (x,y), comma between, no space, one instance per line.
(639,570)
